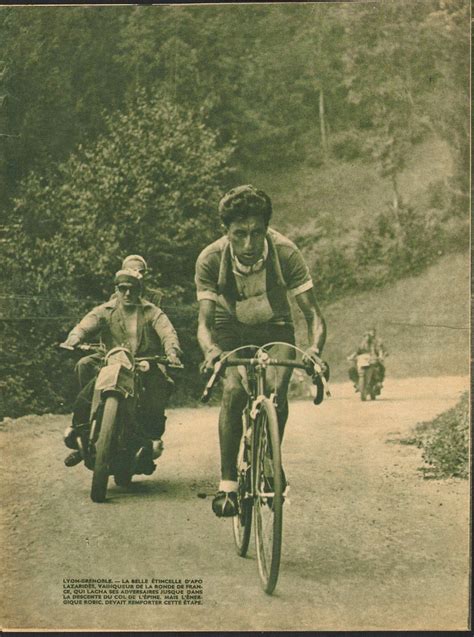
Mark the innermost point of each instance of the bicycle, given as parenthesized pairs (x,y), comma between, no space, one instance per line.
(261,482)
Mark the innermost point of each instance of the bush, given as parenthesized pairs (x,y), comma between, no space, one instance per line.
(149,185)
(391,245)
(348,145)
(445,442)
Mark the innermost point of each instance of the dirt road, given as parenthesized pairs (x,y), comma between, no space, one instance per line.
(368,544)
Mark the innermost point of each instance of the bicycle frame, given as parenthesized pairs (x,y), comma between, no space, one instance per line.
(261,493)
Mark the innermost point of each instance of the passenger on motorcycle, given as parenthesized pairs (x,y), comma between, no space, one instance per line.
(125,320)
(138,263)
(373,345)
(243,281)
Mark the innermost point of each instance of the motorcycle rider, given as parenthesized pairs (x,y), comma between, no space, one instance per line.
(373,345)
(125,320)
(243,280)
(88,367)
(138,263)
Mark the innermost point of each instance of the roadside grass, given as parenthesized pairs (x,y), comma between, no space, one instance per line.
(445,442)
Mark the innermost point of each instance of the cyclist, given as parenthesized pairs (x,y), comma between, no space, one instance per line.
(126,320)
(243,281)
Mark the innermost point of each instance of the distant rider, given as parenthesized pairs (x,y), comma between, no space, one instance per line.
(373,345)
(126,320)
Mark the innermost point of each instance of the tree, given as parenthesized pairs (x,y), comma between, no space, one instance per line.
(57,78)
(149,185)
(388,76)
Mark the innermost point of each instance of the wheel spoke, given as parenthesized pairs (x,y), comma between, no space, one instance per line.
(268,497)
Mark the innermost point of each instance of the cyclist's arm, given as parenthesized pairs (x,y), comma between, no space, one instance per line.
(207,309)
(315,322)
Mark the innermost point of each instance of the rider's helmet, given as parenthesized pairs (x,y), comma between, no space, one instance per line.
(135,262)
(244,201)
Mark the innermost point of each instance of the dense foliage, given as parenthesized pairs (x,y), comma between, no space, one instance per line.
(117,125)
(394,243)
(445,442)
(284,80)
(148,185)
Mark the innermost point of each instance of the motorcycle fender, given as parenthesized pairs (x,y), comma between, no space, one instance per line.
(363,360)
(116,378)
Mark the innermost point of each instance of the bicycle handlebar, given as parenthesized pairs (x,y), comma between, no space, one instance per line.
(312,368)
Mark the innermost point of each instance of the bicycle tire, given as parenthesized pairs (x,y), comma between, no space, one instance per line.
(268,510)
(104,446)
(242,522)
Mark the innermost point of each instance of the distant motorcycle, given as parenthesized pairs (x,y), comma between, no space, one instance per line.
(369,376)
(113,442)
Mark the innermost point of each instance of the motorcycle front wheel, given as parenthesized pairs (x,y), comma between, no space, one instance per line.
(363,385)
(104,448)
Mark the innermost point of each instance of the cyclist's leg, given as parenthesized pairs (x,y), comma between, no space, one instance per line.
(278,378)
(230,422)
(228,337)
(230,432)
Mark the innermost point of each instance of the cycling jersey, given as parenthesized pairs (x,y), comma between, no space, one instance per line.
(257,294)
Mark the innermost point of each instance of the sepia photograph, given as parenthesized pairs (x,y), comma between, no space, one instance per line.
(235,317)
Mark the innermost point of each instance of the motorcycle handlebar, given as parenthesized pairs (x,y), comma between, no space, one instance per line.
(98,347)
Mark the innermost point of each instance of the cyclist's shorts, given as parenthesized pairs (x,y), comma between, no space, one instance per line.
(231,334)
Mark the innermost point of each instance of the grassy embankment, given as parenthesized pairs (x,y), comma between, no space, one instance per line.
(418,316)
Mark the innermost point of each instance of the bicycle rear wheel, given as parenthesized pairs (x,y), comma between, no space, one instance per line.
(268,505)
(242,522)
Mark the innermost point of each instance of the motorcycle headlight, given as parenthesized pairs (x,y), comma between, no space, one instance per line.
(120,356)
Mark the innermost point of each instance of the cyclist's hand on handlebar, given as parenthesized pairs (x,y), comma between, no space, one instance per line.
(313,354)
(207,366)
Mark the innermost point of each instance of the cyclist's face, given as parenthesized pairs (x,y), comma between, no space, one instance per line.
(247,237)
(128,294)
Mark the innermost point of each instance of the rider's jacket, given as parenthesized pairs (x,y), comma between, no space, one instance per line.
(372,346)
(155,331)
(255,294)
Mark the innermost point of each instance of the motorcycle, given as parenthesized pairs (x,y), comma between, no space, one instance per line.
(113,443)
(368,373)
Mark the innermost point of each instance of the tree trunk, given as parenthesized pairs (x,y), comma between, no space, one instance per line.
(396,194)
(322,120)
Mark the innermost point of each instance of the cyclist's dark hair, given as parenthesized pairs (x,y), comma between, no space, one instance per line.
(245,201)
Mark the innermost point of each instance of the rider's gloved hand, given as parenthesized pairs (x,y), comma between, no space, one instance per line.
(207,366)
(173,358)
(71,342)
(314,354)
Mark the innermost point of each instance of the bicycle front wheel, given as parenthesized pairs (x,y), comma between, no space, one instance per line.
(242,522)
(268,505)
